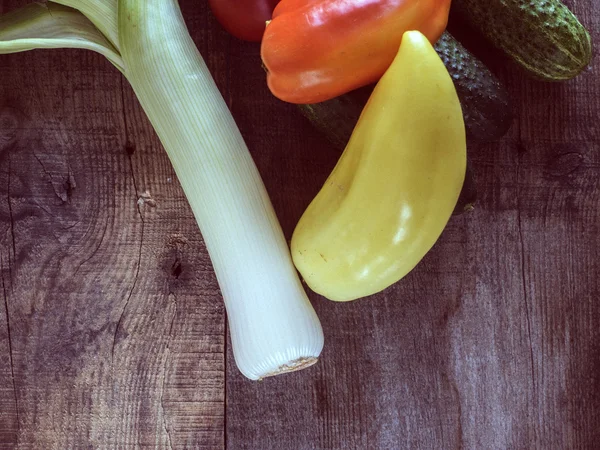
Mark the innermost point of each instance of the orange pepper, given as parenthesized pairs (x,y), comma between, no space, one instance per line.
(315,50)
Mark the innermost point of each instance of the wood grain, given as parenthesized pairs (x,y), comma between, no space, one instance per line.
(112,329)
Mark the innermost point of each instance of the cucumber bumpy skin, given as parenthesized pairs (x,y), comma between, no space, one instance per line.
(543,36)
(487,107)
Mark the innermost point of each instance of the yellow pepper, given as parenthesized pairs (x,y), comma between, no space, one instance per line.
(394,188)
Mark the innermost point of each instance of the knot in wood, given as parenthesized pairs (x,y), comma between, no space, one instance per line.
(563,164)
(11,124)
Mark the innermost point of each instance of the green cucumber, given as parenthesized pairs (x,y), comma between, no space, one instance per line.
(543,36)
(485,101)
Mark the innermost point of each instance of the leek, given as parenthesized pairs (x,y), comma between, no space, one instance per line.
(273,326)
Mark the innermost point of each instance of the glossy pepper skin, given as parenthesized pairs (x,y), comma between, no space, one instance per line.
(394,188)
(315,50)
(245,19)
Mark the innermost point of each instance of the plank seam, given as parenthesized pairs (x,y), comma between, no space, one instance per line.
(523,274)
(137,272)
(10,350)
(168,352)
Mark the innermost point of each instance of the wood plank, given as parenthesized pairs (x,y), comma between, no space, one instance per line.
(351,399)
(117,326)
(492,342)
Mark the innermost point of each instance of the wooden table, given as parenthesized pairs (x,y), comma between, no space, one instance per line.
(113,332)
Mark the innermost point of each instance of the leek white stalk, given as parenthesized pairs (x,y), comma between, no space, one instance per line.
(273,326)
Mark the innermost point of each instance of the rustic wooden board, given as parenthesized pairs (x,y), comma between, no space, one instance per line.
(493,341)
(116,322)
(112,329)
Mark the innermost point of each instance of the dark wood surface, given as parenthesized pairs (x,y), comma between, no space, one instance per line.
(112,328)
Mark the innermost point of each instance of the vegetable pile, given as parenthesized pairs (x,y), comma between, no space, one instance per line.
(394,189)
(382,79)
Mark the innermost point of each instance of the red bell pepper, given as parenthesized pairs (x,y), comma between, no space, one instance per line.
(245,19)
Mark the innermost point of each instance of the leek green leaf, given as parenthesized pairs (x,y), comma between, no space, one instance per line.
(48,26)
(102,13)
